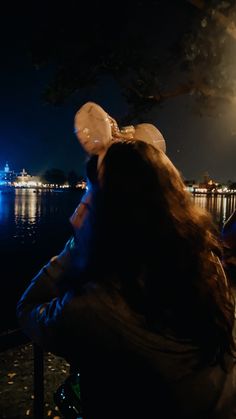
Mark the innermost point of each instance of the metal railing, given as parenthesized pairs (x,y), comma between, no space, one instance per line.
(14,338)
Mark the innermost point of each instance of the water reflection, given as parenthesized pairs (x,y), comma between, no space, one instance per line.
(220,206)
(27,211)
(25,216)
(41,213)
(26,205)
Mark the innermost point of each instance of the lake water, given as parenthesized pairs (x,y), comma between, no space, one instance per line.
(35,226)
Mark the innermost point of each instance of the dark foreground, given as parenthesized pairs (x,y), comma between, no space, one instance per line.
(16,383)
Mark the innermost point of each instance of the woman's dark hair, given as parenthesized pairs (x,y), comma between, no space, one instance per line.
(159,248)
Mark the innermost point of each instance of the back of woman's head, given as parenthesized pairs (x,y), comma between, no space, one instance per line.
(150,237)
(133,198)
(145,206)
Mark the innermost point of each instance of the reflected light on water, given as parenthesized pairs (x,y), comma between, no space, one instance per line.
(27,210)
(220,206)
(224,211)
(26,205)
(25,214)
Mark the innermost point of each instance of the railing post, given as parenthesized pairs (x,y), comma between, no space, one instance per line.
(38,382)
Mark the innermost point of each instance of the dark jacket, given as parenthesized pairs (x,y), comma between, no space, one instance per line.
(127,371)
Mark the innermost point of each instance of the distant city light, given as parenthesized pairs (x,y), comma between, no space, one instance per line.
(10,179)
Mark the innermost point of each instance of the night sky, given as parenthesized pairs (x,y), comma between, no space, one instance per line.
(35,135)
(38,136)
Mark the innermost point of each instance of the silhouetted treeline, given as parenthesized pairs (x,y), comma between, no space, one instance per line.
(59,177)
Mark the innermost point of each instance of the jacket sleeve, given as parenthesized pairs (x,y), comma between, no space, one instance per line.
(46,310)
(41,309)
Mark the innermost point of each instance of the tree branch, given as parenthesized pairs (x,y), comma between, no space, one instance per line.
(184,89)
(219,17)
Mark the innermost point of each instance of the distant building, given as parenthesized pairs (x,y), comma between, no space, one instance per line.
(208,183)
(191,185)
(25,179)
(7,176)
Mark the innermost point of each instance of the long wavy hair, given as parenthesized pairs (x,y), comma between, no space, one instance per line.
(150,241)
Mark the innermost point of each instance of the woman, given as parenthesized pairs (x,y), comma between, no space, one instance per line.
(138,302)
